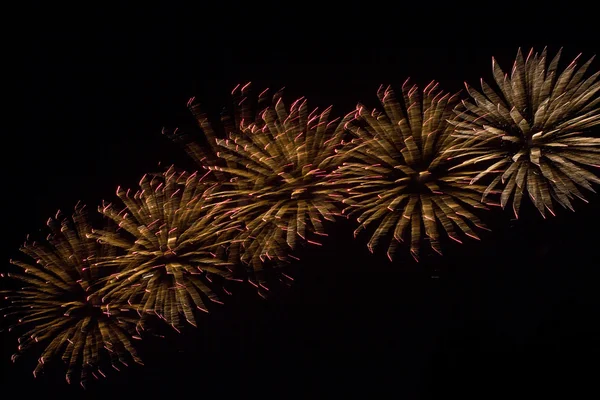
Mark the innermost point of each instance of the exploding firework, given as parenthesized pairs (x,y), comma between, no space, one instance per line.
(532,132)
(58,305)
(396,171)
(171,237)
(271,162)
(277,162)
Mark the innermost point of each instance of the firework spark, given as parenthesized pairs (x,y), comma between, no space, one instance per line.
(532,133)
(396,170)
(171,236)
(59,306)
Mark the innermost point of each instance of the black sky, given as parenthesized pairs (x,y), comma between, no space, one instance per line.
(89,91)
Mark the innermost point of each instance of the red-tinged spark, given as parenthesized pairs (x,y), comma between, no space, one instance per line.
(437,250)
(287,276)
(483,227)
(263,286)
(414,255)
(455,239)
(473,236)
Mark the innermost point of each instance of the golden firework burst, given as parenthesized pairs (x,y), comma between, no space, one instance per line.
(171,237)
(532,133)
(396,170)
(58,305)
(278,162)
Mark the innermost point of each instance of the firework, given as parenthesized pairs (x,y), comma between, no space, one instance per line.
(58,305)
(276,162)
(171,238)
(396,171)
(532,133)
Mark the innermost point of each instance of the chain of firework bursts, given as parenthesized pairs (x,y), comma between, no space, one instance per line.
(414,171)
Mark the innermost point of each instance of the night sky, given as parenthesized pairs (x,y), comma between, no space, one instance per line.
(513,315)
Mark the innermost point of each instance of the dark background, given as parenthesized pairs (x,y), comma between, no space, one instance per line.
(87,93)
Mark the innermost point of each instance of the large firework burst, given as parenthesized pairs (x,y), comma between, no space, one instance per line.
(534,131)
(58,305)
(396,170)
(171,236)
(276,162)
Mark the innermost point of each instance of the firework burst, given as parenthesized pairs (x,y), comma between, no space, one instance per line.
(276,163)
(58,305)
(532,132)
(396,171)
(171,238)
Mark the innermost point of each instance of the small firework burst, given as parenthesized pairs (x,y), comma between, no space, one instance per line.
(58,305)
(532,133)
(396,170)
(171,237)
